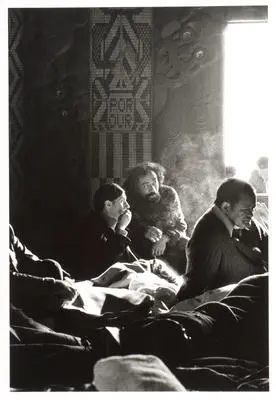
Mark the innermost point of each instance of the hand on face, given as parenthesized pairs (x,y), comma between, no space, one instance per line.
(124,220)
(244,218)
(118,209)
(153,234)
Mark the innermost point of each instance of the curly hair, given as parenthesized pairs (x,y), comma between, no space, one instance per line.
(142,169)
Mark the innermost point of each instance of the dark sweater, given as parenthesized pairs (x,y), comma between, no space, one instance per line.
(96,247)
(215,259)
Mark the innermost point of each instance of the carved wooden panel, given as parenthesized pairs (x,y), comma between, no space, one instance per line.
(121,91)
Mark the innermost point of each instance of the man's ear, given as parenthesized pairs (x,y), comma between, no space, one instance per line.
(225,207)
(108,204)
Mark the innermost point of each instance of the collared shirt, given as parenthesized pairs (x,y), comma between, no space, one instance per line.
(228,224)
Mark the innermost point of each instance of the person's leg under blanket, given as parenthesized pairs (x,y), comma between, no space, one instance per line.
(236,326)
(41,356)
(36,365)
(241,320)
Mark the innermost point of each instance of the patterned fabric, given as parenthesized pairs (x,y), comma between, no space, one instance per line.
(120,88)
(16,73)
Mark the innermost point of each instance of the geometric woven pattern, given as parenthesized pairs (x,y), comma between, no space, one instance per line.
(120,91)
(15,106)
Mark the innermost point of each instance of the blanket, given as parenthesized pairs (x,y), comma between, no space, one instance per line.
(97,306)
(152,277)
(209,295)
(125,292)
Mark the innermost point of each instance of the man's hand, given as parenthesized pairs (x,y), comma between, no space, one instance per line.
(153,234)
(159,247)
(64,290)
(57,293)
(124,220)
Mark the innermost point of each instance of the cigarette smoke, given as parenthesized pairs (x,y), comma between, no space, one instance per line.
(195,170)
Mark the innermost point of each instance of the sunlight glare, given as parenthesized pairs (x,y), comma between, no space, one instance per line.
(245,119)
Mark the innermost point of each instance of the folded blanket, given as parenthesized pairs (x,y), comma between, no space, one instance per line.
(152,277)
(97,307)
(106,300)
(209,295)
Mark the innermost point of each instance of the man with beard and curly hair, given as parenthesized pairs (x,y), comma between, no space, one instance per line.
(157,228)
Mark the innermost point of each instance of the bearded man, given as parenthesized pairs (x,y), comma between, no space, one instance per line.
(157,228)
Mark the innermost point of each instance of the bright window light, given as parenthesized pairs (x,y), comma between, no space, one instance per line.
(245,105)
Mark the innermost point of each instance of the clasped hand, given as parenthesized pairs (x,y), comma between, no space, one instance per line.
(153,234)
(159,240)
(124,220)
(159,247)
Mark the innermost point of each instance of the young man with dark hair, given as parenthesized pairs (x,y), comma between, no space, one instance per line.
(218,254)
(158,228)
(102,237)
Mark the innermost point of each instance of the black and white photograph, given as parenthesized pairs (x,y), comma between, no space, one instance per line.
(137,201)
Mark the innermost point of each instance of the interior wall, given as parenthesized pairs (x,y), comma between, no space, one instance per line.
(49,185)
(15,110)
(188,104)
(188,99)
(85,112)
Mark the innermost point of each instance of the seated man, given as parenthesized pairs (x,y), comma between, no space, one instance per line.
(37,292)
(158,228)
(101,238)
(215,256)
(36,285)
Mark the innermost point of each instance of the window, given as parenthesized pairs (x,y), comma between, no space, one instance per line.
(245,120)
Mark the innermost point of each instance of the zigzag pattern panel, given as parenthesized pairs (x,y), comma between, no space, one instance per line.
(120,91)
(15,106)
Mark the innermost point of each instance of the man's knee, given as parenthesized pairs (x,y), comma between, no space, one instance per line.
(51,268)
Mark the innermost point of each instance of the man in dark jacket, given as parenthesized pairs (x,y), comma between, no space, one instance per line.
(39,355)
(219,254)
(157,228)
(101,238)
(36,284)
